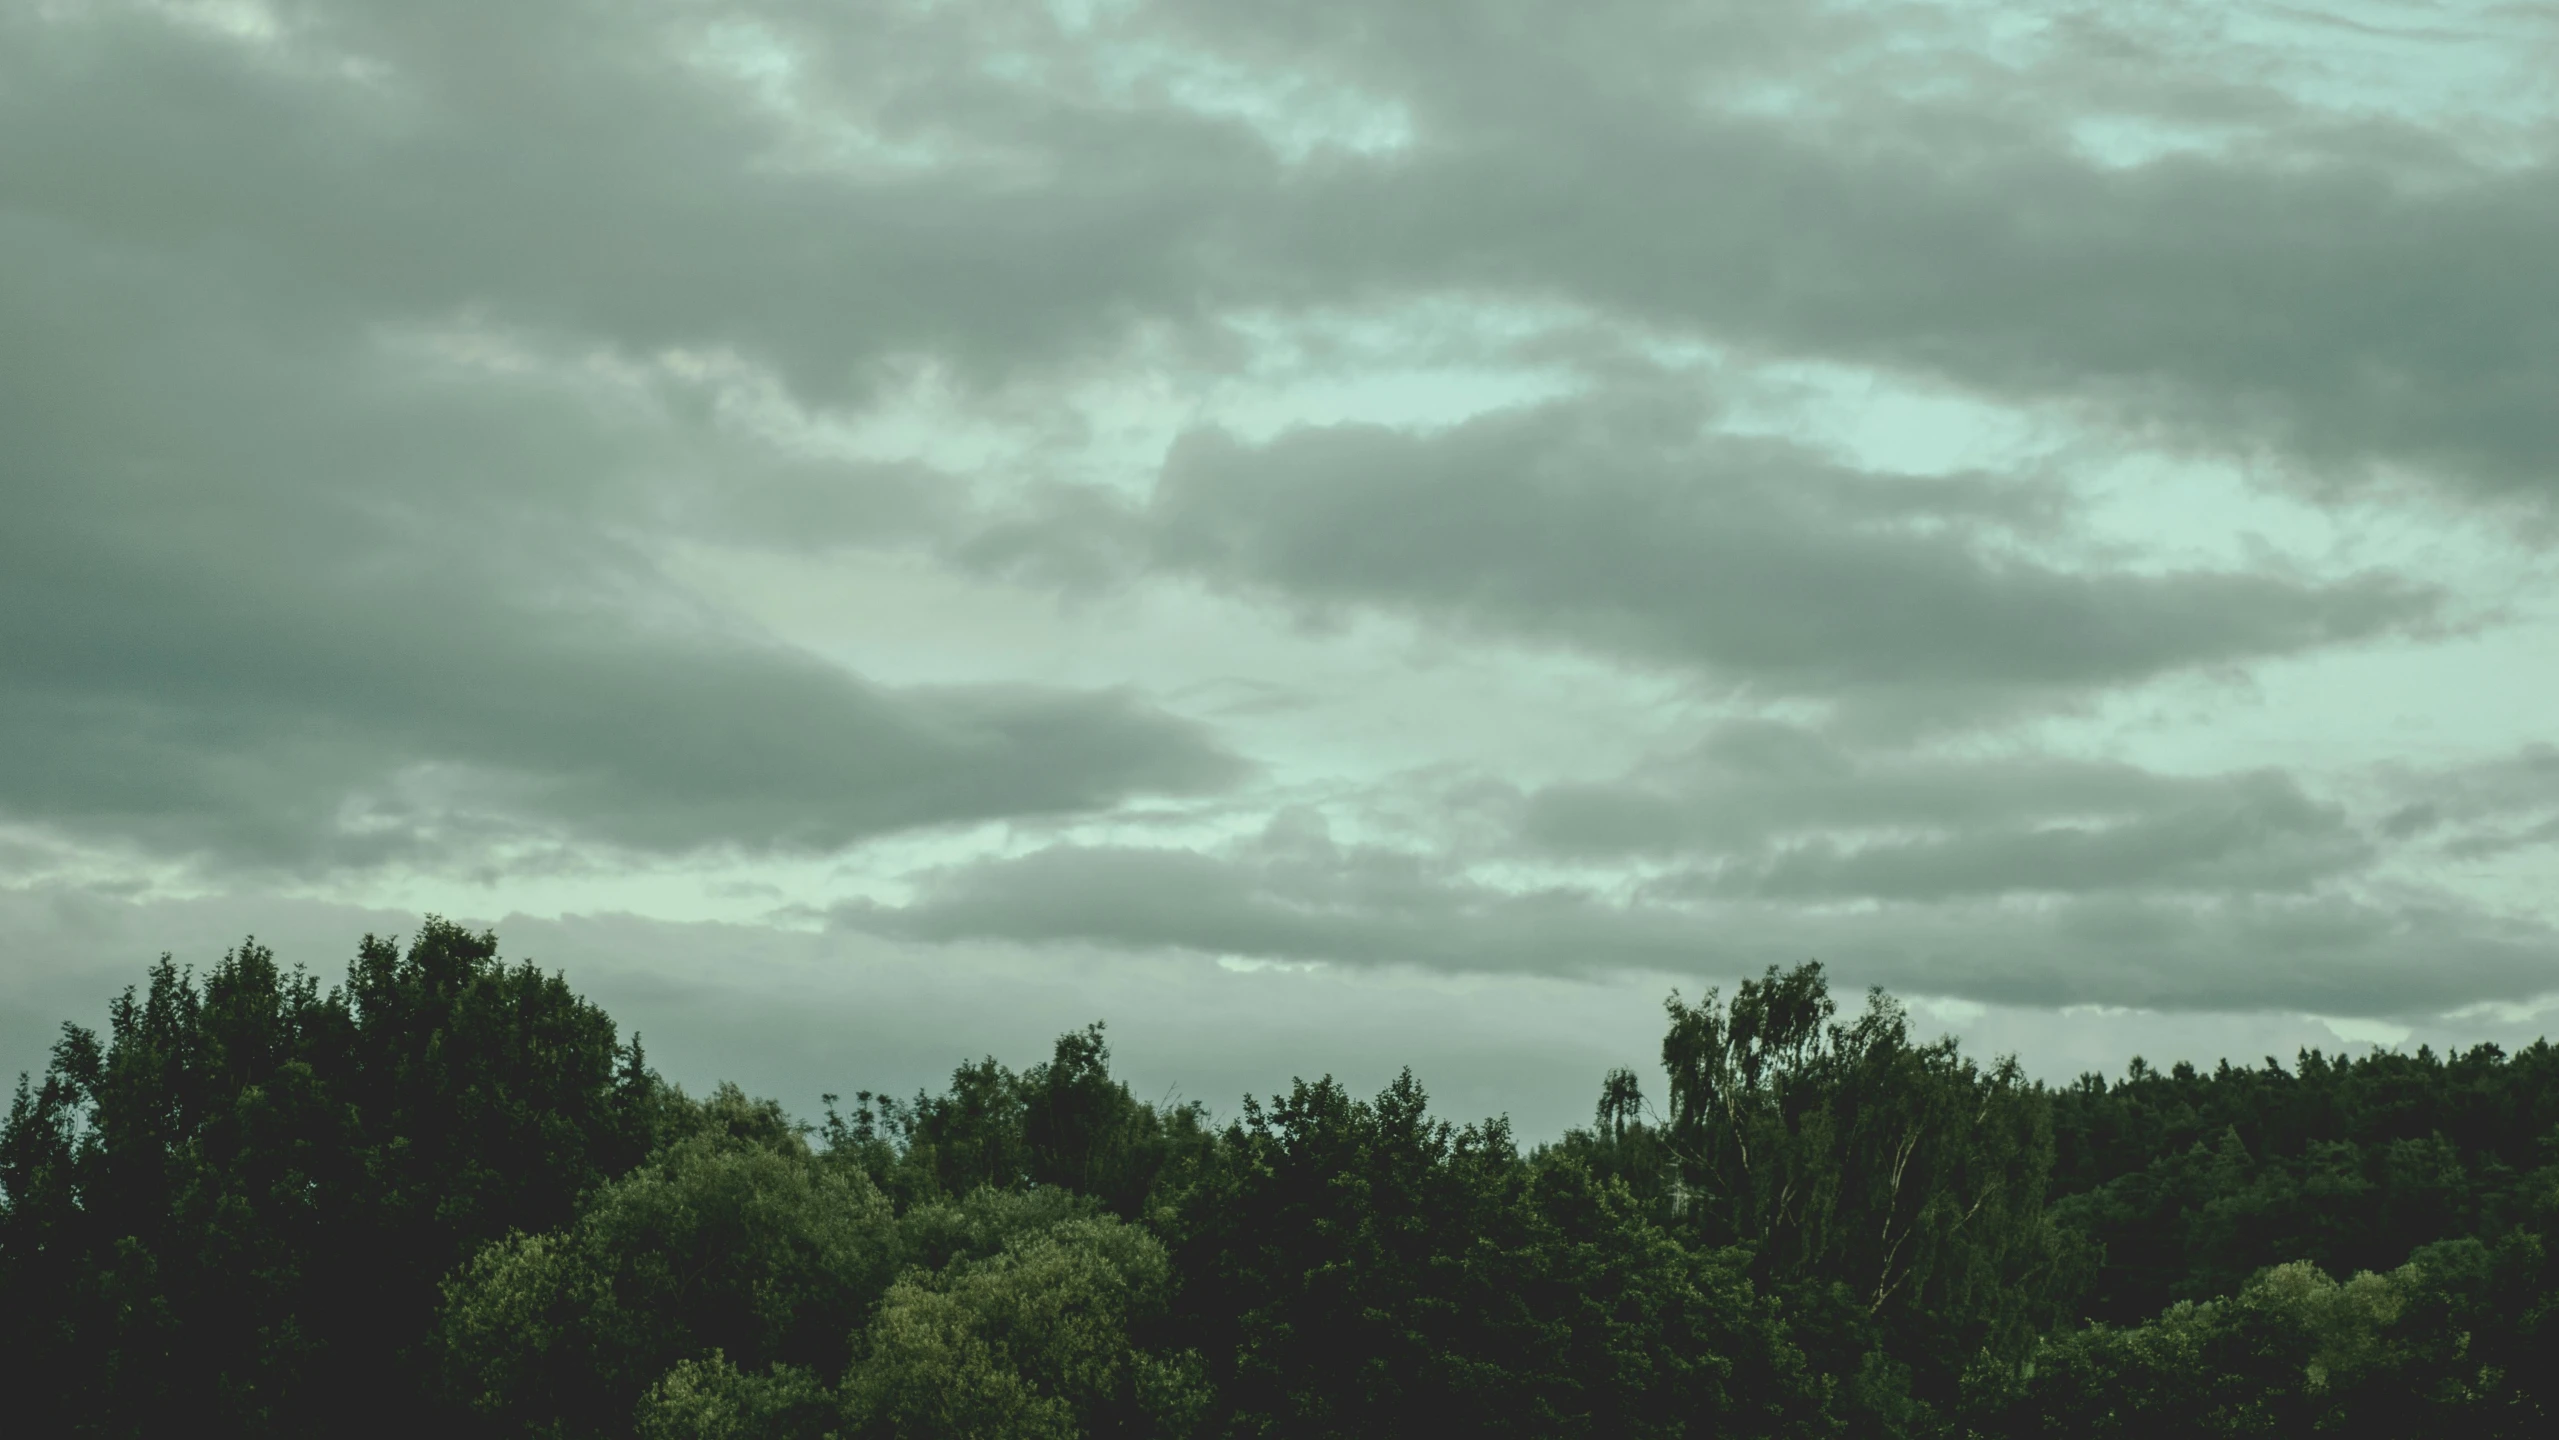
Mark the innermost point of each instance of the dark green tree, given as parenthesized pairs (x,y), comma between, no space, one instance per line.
(1086,1132)
(229,1216)
(2192,1180)
(1357,1268)
(1891,1191)
(2388,1356)
(1066,1122)
(1047,1337)
(732,1240)
(445,1198)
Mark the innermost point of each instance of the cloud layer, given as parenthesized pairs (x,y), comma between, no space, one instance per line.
(1618,530)
(1856,480)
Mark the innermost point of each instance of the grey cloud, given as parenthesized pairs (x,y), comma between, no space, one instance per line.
(1621,527)
(596,173)
(2337,290)
(2249,842)
(2481,809)
(2328,953)
(267,593)
(2022,879)
(291,599)
(1294,894)
(2482,845)
(276,591)
(2343,291)
(1776,811)
(2330,317)
(1365,906)
(2409,820)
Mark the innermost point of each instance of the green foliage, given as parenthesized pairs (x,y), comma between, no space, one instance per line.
(978,1224)
(445,1199)
(2294,1352)
(732,1239)
(1890,1191)
(1040,1339)
(1064,1122)
(1356,1268)
(2193,1180)
(230,1216)
(711,1399)
(727,1286)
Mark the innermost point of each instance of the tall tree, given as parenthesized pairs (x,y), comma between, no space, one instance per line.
(731,1239)
(2194,1179)
(230,1215)
(1358,1268)
(1066,1121)
(1891,1190)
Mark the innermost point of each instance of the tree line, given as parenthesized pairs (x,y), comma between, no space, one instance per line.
(445,1196)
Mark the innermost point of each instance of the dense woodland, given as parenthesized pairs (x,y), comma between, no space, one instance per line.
(446,1196)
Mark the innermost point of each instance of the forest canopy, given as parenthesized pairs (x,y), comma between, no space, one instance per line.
(445,1195)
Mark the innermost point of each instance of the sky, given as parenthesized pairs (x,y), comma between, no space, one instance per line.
(1328,536)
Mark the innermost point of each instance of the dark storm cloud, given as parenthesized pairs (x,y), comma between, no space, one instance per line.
(1619,528)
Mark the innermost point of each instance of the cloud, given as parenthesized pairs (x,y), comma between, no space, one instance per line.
(2329,953)
(372,370)
(1621,528)
(824,188)
(819,190)
(277,591)
(2481,808)
(1779,812)
(2331,284)
(1292,894)
(2016,880)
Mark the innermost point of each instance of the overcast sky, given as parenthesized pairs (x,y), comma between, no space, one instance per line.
(1328,534)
